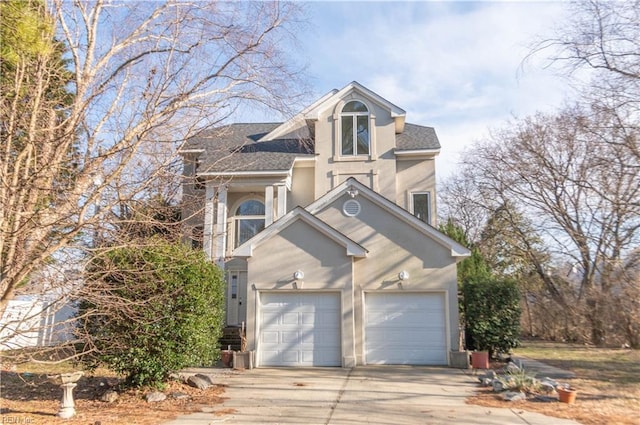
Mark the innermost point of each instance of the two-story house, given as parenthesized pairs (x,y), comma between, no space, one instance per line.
(324,225)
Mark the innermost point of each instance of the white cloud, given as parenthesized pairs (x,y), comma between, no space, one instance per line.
(456,66)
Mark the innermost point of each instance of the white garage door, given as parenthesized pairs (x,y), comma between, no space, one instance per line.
(300,329)
(405,328)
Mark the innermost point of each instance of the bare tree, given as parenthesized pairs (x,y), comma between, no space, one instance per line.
(602,38)
(143,76)
(601,35)
(578,190)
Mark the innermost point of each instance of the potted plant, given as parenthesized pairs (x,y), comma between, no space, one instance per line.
(566,394)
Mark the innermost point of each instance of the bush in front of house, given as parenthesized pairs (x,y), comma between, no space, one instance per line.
(150,310)
(492,314)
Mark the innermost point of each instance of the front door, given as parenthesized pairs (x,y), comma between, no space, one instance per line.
(236,294)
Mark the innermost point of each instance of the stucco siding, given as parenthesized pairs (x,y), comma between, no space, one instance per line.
(300,247)
(417,175)
(376,171)
(302,187)
(325,265)
(394,246)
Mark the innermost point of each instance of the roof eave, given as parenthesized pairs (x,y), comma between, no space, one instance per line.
(245,173)
(352,248)
(411,153)
(190,151)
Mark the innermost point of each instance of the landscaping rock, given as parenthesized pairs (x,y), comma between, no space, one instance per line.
(514,396)
(486,379)
(109,396)
(207,378)
(199,381)
(179,396)
(155,397)
(498,386)
(486,382)
(512,367)
(547,387)
(545,399)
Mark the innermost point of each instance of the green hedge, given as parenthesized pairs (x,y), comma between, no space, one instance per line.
(153,310)
(492,314)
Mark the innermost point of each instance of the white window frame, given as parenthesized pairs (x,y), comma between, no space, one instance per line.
(412,206)
(354,121)
(236,219)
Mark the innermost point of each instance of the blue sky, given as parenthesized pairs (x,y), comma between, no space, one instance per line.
(455,66)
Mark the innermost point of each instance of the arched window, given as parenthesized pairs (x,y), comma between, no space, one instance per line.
(355,127)
(249,220)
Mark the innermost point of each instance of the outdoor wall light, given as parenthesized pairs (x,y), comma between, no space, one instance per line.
(403,275)
(352,192)
(298,275)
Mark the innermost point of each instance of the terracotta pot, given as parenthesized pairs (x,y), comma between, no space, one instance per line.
(566,395)
(480,360)
(227,357)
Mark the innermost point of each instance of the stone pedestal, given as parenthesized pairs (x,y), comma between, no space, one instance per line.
(68,408)
(67,381)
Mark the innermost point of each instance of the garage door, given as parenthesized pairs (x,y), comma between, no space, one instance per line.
(405,328)
(300,329)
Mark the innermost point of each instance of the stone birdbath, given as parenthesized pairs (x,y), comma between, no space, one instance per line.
(68,382)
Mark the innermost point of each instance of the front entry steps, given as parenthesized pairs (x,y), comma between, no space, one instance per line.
(233,338)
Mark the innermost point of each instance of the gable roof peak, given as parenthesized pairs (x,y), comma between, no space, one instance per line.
(329,100)
(457,250)
(351,247)
(397,113)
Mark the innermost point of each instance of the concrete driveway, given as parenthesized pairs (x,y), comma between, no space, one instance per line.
(364,395)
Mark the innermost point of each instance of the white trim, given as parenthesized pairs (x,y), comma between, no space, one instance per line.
(417,152)
(352,248)
(354,130)
(188,151)
(304,161)
(412,206)
(248,173)
(268,205)
(281,205)
(233,218)
(207,231)
(221,226)
(395,111)
(289,125)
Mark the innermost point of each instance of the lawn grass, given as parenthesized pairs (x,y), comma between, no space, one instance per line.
(607,380)
(610,366)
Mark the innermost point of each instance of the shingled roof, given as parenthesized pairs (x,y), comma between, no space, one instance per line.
(417,137)
(235,147)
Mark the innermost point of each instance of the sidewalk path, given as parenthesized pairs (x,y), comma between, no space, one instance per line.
(542,370)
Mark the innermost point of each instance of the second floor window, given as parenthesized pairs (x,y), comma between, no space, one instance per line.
(421,206)
(249,221)
(355,129)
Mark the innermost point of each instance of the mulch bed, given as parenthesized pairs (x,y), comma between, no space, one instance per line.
(33,399)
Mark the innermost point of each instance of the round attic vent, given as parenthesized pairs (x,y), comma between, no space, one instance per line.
(351,208)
